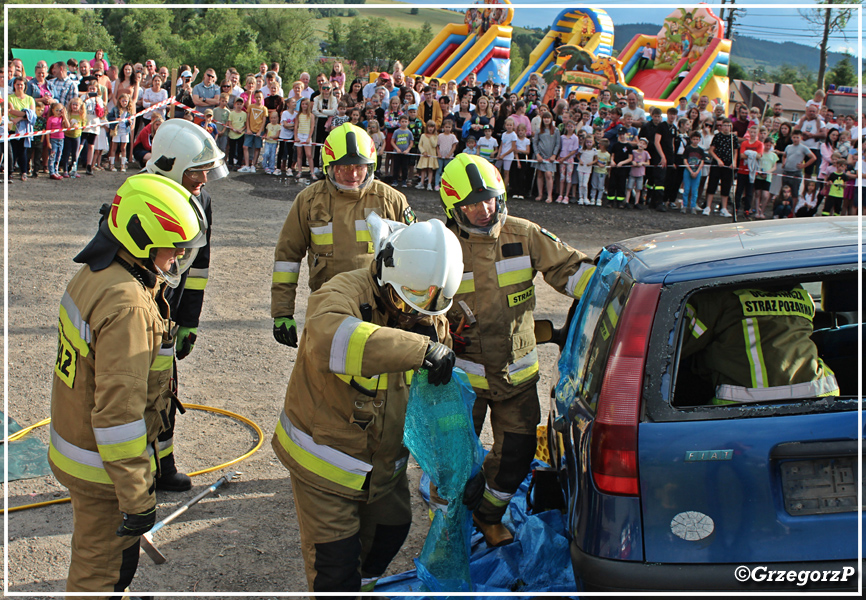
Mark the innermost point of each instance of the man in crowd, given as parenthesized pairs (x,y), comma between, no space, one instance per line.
(638,115)
(207,93)
(813,131)
(63,89)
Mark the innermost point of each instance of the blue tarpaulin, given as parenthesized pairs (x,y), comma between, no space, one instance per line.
(537,561)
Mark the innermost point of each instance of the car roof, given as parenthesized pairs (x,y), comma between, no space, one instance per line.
(739,248)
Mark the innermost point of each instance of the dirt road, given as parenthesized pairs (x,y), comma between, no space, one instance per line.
(245,540)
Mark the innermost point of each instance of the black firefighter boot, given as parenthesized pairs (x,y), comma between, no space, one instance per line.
(169,479)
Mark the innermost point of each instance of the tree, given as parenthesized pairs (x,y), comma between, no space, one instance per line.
(59,29)
(843,73)
(826,21)
(736,71)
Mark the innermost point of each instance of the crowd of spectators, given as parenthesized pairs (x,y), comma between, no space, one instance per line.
(550,147)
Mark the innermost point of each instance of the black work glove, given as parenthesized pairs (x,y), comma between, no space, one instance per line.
(185,342)
(460,342)
(286,331)
(473,493)
(439,362)
(137,524)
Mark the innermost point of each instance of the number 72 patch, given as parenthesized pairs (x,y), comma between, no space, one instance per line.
(67,359)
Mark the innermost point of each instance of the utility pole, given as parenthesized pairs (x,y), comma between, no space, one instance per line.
(731,17)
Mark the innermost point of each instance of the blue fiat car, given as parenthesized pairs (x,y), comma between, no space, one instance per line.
(666,491)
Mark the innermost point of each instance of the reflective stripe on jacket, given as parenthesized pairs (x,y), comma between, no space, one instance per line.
(110,391)
(755,345)
(331,433)
(327,225)
(497,288)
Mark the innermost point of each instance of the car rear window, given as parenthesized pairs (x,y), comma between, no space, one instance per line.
(768,343)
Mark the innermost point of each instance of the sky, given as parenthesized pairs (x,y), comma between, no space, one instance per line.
(771,20)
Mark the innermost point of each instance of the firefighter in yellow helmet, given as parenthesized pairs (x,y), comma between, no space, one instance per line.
(492,322)
(110,394)
(340,433)
(326,223)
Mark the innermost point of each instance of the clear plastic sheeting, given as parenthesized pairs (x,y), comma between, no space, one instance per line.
(537,561)
(572,360)
(440,435)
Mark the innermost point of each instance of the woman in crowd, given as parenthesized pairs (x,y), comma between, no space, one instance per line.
(22,121)
(782,142)
(356,91)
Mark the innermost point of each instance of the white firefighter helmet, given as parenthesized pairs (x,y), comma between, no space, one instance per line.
(180,145)
(420,267)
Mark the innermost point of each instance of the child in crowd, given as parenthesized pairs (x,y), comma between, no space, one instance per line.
(620,156)
(546,142)
(807,204)
(355,117)
(521,168)
(57,119)
(506,151)
(77,118)
(568,147)
(751,150)
(588,156)
(599,171)
(237,124)
(694,158)
(446,146)
(764,177)
(257,119)
(208,124)
(341,116)
(836,182)
(487,145)
(95,110)
(36,142)
(783,208)
(471,146)
(287,138)
(303,136)
(416,126)
(428,163)
(401,141)
(120,132)
(640,159)
(221,117)
(271,142)
(379,141)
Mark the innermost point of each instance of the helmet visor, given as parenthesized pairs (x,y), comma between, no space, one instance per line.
(429,301)
(215,170)
(178,267)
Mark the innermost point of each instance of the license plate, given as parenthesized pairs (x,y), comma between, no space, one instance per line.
(820,486)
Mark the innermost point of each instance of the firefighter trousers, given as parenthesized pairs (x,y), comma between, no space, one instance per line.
(101,561)
(514,421)
(343,540)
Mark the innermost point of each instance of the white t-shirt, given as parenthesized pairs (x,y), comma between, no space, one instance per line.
(288,133)
(813,126)
(507,138)
(586,158)
(637,113)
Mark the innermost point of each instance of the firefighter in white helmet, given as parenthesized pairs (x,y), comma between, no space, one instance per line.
(340,433)
(326,223)
(492,321)
(110,395)
(188,155)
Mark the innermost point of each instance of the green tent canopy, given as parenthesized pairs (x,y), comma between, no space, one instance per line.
(31,57)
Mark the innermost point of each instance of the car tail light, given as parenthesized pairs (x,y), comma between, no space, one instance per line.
(613,449)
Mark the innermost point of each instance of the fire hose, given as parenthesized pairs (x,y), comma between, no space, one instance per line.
(258,430)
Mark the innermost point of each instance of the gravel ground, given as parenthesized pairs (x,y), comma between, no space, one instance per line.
(246,539)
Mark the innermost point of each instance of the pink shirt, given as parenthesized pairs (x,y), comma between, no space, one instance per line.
(54,123)
(568,144)
(446,145)
(518,119)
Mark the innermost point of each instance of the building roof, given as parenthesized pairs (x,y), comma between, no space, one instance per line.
(757,92)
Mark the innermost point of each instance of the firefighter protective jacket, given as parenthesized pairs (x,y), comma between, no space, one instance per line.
(110,394)
(328,225)
(498,290)
(341,428)
(755,345)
